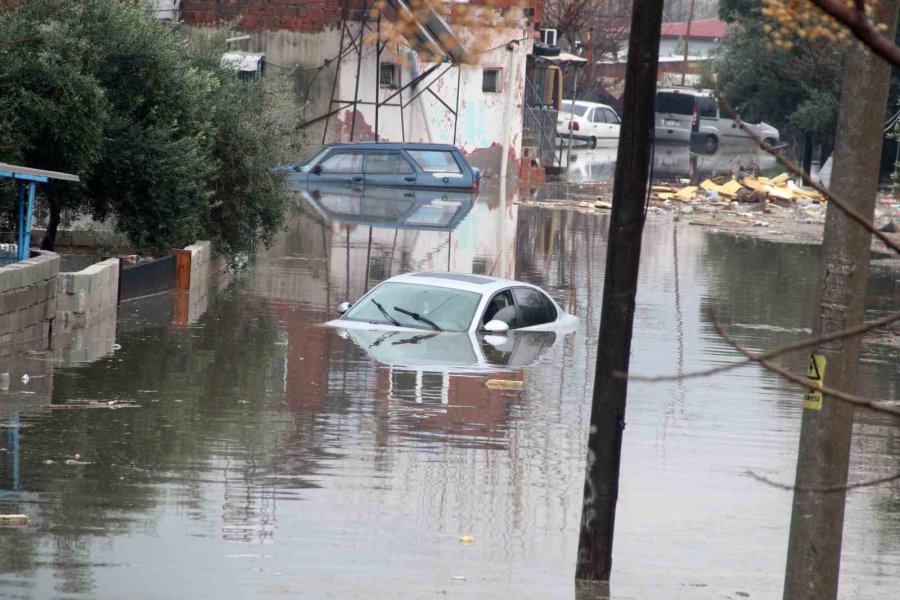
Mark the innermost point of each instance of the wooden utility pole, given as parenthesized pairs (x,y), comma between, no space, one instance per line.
(626,224)
(817,519)
(687,42)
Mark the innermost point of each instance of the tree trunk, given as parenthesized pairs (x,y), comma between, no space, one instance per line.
(807,152)
(626,223)
(817,519)
(49,241)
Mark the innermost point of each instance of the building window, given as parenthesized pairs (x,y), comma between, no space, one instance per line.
(490,80)
(388,75)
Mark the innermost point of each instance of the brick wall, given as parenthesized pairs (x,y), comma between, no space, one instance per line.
(28,303)
(271,15)
(88,296)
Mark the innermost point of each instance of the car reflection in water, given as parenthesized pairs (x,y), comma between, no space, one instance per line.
(672,161)
(391,207)
(453,352)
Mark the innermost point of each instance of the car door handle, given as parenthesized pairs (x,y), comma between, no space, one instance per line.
(409,178)
(357,180)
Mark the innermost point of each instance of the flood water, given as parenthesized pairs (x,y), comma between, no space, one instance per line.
(271,457)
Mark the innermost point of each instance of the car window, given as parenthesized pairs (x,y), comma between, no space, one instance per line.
(566,108)
(449,309)
(678,104)
(598,116)
(343,162)
(551,308)
(707,108)
(497,303)
(435,161)
(387,163)
(532,310)
(309,162)
(611,116)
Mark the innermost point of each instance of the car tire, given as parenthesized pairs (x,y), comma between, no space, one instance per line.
(711,144)
(592,143)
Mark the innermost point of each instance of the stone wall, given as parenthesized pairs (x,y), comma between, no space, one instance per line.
(88,296)
(28,303)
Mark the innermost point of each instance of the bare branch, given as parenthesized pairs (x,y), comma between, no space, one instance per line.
(876,405)
(826,489)
(862,28)
(798,345)
(848,210)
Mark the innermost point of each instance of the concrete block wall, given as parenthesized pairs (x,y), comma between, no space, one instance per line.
(89,295)
(201,257)
(28,291)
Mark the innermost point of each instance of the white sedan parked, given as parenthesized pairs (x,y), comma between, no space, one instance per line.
(454,302)
(589,122)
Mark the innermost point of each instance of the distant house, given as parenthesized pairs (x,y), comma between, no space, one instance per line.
(702,38)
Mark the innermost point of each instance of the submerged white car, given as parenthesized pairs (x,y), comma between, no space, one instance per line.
(454,302)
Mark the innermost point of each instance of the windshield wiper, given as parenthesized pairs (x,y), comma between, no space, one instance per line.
(385,313)
(418,318)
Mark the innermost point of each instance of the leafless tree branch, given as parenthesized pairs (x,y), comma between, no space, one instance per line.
(849,211)
(798,345)
(876,405)
(855,19)
(826,489)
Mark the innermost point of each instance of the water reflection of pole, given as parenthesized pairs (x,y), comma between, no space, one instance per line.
(368,259)
(626,224)
(679,317)
(347,267)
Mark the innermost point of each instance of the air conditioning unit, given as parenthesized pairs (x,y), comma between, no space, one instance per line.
(548,36)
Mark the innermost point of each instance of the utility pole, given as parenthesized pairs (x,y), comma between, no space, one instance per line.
(626,224)
(687,42)
(817,519)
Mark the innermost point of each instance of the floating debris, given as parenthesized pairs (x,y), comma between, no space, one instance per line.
(466,539)
(13,520)
(503,384)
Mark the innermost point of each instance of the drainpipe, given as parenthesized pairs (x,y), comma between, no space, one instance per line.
(513,48)
(420,101)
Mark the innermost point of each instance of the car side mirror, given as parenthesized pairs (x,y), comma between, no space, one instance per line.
(316,170)
(343,307)
(496,326)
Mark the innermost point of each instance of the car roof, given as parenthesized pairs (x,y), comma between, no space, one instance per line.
(482,284)
(392,146)
(685,91)
(588,104)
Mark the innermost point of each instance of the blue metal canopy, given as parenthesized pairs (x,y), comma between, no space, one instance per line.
(28,179)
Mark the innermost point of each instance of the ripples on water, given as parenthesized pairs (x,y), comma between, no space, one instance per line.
(271,457)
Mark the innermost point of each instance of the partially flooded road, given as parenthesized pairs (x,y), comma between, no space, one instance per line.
(272,457)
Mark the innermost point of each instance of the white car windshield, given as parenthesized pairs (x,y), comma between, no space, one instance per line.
(417,306)
(566,109)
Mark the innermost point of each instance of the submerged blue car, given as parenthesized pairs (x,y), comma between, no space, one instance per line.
(392,164)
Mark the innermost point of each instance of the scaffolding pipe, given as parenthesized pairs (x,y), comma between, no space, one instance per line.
(513,48)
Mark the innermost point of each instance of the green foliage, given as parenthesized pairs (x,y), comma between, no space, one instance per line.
(168,142)
(797,91)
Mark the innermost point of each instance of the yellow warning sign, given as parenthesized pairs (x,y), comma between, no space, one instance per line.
(815,374)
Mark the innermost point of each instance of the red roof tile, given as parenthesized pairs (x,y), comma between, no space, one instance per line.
(702,29)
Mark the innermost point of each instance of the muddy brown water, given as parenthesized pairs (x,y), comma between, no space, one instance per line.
(271,457)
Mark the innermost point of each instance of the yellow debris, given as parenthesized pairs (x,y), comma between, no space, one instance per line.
(710,186)
(780,180)
(730,188)
(466,539)
(13,520)
(663,188)
(779,193)
(757,185)
(665,196)
(686,193)
(503,384)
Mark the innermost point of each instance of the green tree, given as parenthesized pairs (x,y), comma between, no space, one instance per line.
(167,141)
(795,90)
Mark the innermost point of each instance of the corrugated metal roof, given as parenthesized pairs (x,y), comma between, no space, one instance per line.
(19,172)
(703,29)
